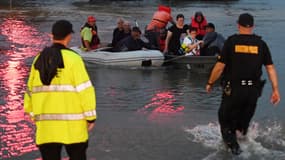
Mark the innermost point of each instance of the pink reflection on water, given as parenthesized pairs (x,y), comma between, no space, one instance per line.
(16,130)
(162,104)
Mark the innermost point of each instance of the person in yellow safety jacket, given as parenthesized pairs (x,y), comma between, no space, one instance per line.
(60,98)
(158,24)
(89,35)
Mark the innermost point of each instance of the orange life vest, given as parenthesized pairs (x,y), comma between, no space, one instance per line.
(160,18)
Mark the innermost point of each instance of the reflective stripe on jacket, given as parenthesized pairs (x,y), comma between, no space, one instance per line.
(61,109)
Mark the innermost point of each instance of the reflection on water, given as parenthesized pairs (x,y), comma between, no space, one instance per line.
(162,103)
(17,131)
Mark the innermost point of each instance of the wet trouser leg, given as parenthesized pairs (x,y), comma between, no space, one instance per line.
(52,151)
(153,38)
(77,151)
(236,111)
(247,110)
(227,120)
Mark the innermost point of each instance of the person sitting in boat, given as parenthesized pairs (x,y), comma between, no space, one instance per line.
(199,21)
(157,27)
(127,30)
(89,35)
(191,45)
(118,32)
(132,42)
(213,42)
(175,35)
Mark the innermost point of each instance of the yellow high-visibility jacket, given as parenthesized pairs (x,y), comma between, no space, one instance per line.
(61,109)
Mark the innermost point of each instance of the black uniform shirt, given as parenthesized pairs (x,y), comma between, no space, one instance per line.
(244,56)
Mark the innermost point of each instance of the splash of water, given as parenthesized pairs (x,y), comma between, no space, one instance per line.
(255,146)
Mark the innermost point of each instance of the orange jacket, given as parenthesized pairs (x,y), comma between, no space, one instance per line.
(160,18)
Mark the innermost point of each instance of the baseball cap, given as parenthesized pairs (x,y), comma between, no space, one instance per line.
(61,29)
(210,25)
(246,20)
(136,29)
(91,19)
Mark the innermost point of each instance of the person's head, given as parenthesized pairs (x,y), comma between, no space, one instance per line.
(136,32)
(61,31)
(199,17)
(245,23)
(210,27)
(127,26)
(120,23)
(193,32)
(91,20)
(180,19)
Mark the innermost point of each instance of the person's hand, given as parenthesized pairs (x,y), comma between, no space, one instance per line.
(275,97)
(165,50)
(208,88)
(200,42)
(90,126)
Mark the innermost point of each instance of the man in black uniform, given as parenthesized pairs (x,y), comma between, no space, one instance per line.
(241,63)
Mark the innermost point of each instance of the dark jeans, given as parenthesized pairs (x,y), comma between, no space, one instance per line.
(52,151)
(236,111)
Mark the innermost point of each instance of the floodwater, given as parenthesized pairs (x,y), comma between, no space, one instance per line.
(143,114)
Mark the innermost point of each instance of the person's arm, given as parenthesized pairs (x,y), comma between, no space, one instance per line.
(90,125)
(87,37)
(87,45)
(168,37)
(215,74)
(195,45)
(275,96)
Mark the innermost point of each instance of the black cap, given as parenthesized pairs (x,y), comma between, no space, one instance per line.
(246,20)
(210,25)
(61,29)
(136,29)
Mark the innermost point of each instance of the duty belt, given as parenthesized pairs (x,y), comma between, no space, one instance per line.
(246,82)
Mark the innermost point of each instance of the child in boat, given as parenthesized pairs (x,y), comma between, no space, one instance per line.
(191,45)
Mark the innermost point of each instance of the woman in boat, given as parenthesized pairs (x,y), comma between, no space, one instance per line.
(199,21)
(175,35)
(89,35)
(157,27)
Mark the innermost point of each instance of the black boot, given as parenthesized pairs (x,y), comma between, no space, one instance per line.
(235,148)
(230,140)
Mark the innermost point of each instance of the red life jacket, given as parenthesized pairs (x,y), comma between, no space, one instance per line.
(201,27)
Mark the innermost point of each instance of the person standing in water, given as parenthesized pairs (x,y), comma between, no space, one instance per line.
(60,98)
(240,63)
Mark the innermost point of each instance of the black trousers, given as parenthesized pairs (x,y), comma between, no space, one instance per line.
(52,151)
(153,38)
(236,111)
